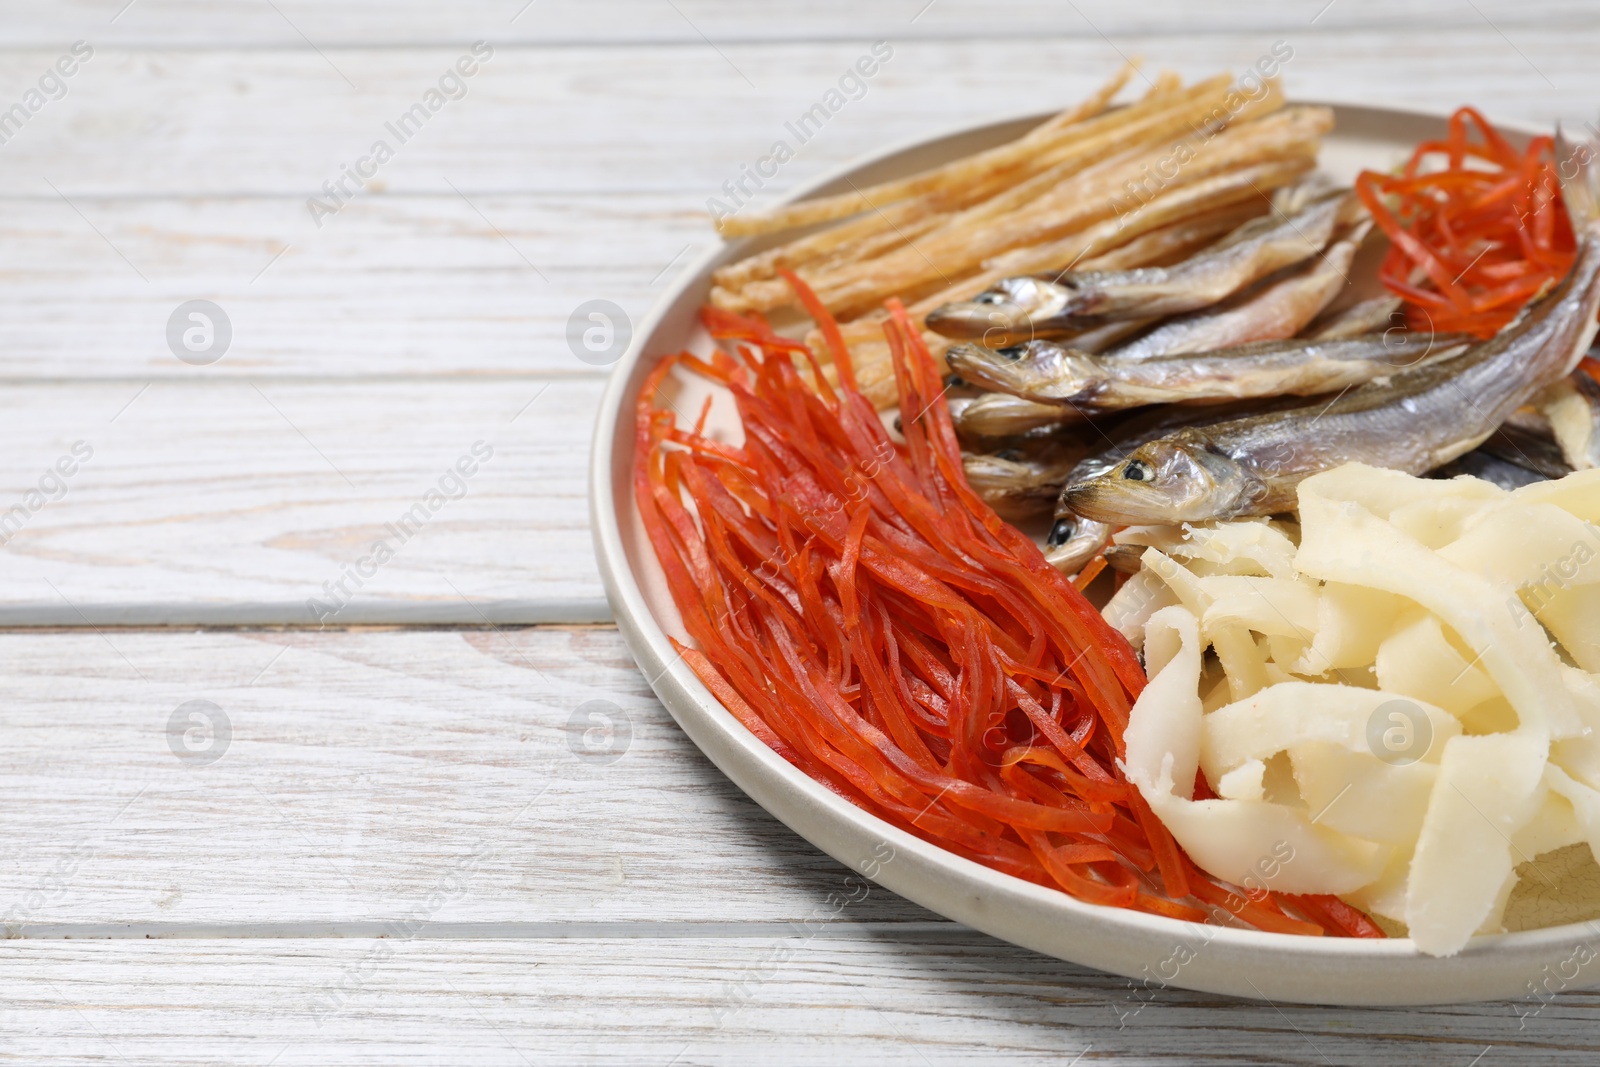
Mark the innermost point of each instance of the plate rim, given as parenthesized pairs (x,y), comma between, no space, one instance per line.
(737,753)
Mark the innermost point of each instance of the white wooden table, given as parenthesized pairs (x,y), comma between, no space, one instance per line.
(406,836)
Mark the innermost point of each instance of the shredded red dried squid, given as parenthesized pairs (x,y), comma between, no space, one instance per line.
(860,610)
(1474,240)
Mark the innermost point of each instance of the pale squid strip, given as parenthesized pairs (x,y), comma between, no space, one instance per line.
(1349,791)
(1430,592)
(1273,606)
(1342,540)
(1487,790)
(1231,839)
(1418,662)
(1140,597)
(1352,622)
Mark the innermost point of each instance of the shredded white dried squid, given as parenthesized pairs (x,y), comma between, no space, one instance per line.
(1403,701)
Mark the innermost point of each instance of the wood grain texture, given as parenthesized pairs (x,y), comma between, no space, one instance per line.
(941,999)
(636,118)
(163,177)
(397,285)
(442,806)
(566,174)
(238,501)
(530,773)
(375,789)
(240,24)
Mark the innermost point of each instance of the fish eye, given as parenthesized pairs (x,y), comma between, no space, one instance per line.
(954,381)
(988,298)
(1138,470)
(1061,533)
(1012,352)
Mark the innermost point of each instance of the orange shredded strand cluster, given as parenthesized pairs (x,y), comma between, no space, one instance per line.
(1473,241)
(860,610)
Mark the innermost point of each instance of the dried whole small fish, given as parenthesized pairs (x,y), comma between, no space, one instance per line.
(1074,539)
(1273,311)
(1414,421)
(1532,448)
(1026,307)
(1050,373)
(1489,467)
(1278,307)
(1021,484)
(1380,314)
(1000,416)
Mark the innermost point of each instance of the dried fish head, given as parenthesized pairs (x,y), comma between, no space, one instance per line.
(1022,370)
(1074,541)
(1172,479)
(1009,312)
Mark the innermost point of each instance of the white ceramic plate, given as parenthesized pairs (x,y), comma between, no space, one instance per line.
(1147,948)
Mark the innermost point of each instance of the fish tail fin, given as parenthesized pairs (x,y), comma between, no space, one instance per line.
(1578,168)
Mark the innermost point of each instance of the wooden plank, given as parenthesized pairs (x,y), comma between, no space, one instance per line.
(475,782)
(392,286)
(225,123)
(244,25)
(474,247)
(932,999)
(238,501)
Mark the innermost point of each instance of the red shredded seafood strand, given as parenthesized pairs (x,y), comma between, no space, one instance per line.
(860,610)
(1473,241)
(1335,915)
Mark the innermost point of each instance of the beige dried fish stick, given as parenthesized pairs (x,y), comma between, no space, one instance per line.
(879,244)
(1169,244)
(827,209)
(858,235)
(1126,125)
(1076,204)
(1203,212)
(872,233)
(1246,186)
(1122,131)
(1122,126)
(830,241)
(1119,132)
(1097,192)
(766,294)
(1019,153)
(1290,134)
(1191,213)
(1102,189)
(994,195)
